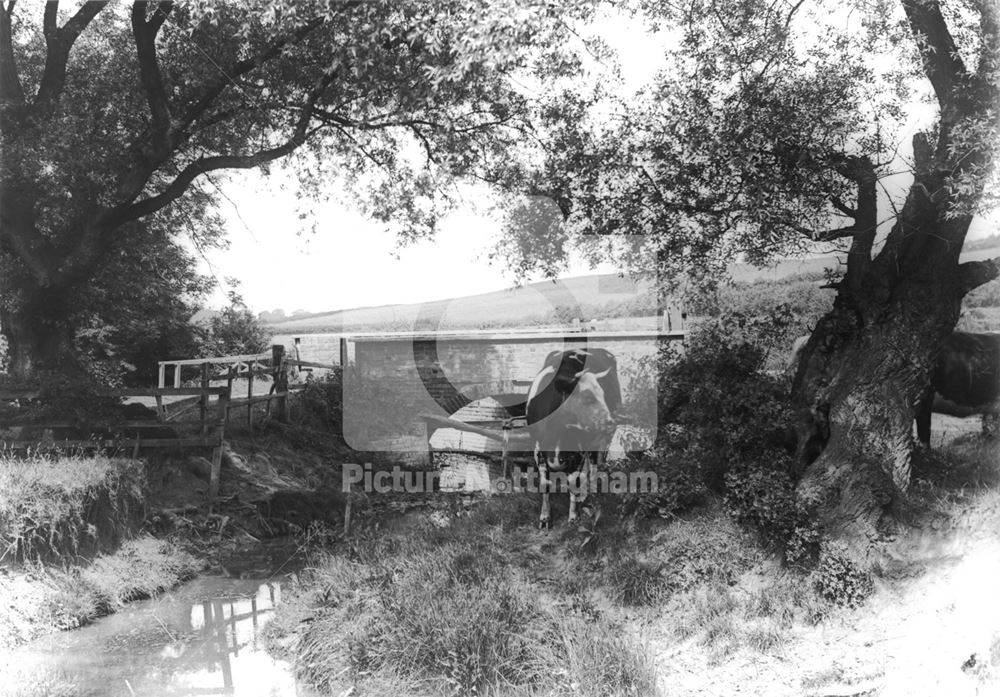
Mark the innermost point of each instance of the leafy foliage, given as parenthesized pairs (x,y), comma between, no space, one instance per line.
(840,579)
(235,331)
(389,100)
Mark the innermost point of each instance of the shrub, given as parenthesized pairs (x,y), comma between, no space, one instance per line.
(321,404)
(724,423)
(841,580)
(235,330)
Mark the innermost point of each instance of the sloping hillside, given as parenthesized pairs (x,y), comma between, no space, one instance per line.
(548,302)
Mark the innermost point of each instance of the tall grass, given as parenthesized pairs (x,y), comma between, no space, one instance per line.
(452,611)
(66,507)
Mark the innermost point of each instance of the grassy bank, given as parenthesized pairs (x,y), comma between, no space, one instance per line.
(66,550)
(481,602)
(61,509)
(41,599)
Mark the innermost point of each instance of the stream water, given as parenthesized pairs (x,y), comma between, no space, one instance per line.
(199,639)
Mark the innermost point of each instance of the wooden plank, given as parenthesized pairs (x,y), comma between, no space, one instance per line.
(164,392)
(218,360)
(256,399)
(216,474)
(313,364)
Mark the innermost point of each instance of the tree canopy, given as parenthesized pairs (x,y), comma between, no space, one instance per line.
(115,114)
(773,129)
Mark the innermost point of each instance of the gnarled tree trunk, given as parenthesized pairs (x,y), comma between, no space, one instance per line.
(868,362)
(39,336)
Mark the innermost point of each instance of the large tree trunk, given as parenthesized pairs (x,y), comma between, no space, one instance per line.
(39,337)
(867,366)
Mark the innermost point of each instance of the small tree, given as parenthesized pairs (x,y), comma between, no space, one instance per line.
(235,331)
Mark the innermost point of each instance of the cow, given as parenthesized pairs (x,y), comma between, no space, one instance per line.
(965,380)
(570,416)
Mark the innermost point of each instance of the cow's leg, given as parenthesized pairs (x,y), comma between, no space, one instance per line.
(923,418)
(991,424)
(579,483)
(573,480)
(596,462)
(542,460)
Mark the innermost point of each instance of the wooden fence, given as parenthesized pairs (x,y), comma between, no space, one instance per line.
(172,426)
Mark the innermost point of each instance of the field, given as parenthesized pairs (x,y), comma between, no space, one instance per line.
(620,303)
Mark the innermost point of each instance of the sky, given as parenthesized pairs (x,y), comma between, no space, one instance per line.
(352,262)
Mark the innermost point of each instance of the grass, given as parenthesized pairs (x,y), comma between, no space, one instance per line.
(42,598)
(65,529)
(454,610)
(60,509)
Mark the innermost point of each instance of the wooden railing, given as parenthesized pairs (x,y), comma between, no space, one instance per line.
(207,432)
(214,405)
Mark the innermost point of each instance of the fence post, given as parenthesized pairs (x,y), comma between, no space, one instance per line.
(222,414)
(250,369)
(280,381)
(203,400)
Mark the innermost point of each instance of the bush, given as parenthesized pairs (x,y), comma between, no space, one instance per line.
(235,331)
(841,580)
(321,404)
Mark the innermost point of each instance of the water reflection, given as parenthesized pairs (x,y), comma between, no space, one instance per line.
(200,640)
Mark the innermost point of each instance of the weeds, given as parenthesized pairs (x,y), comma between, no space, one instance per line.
(60,509)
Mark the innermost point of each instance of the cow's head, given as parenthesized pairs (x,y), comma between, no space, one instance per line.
(586,411)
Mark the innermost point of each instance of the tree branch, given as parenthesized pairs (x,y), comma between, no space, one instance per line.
(839,204)
(11,90)
(237,70)
(150,77)
(942,63)
(203,165)
(838,234)
(977,273)
(58,44)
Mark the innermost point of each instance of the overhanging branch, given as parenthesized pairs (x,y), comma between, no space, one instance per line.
(977,273)
(204,165)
